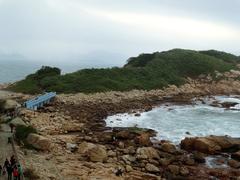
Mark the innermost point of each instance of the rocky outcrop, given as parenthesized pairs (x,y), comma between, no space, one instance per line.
(211,144)
(39,142)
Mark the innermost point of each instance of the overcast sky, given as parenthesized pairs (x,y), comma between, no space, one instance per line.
(107,32)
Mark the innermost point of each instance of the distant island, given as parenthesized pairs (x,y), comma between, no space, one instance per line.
(146,72)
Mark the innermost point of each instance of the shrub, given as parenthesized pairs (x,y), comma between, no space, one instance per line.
(31,174)
(22,132)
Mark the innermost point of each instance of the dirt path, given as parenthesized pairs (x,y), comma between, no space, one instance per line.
(5,148)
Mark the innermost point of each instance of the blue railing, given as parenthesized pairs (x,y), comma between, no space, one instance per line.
(39,101)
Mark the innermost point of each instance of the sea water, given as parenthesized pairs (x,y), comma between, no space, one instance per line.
(175,122)
(14,70)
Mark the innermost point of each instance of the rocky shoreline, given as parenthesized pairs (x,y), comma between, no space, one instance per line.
(78,145)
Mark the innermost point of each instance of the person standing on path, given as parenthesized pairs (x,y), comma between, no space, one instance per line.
(13,161)
(15,173)
(12,127)
(9,171)
(20,172)
(1,170)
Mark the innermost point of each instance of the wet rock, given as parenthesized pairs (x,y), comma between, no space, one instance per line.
(151,168)
(167,147)
(228,104)
(199,157)
(137,114)
(236,156)
(144,139)
(233,163)
(71,147)
(147,153)
(39,142)
(210,144)
(125,134)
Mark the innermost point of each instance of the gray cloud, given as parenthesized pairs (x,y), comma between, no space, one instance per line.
(104,33)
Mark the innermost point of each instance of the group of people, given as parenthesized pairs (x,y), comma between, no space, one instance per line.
(11,168)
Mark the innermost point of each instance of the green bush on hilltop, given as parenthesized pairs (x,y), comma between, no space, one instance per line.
(147,71)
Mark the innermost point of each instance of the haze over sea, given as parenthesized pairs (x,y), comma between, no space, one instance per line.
(14,70)
(14,67)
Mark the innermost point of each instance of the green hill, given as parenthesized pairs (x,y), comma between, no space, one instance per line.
(147,71)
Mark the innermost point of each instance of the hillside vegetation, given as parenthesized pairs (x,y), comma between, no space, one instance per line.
(147,71)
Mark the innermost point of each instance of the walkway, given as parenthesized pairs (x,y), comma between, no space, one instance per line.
(5,148)
(39,101)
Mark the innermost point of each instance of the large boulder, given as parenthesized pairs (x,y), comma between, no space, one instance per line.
(211,144)
(10,105)
(95,152)
(39,142)
(84,147)
(147,153)
(233,163)
(98,154)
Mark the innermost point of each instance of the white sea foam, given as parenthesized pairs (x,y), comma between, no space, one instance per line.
(172,122)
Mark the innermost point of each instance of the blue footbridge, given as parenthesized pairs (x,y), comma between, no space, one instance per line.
(40,101)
